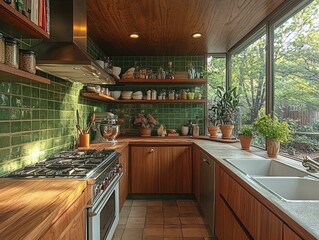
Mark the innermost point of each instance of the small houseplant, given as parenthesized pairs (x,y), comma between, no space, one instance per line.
(245,136)
(145,122)
(226,107)
(213,122)
(274,131)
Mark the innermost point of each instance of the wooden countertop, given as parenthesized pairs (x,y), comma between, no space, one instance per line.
(28,207)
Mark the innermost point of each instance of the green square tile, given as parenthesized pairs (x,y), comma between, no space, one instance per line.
(5,127)
(26,126)
(15,152)
(4,154)
(43,124)
(16,139)
(35,92)
(26,102)
(15,127)
(35,114)
(26,138)
(4,100)
(35,136)
(15,114)
(35,125)
(43,114)
(35,103)
(16,88)
(5,87)
(50,123)
(4,113)
(5,141)
(43,104)
(26,91)
(25,114)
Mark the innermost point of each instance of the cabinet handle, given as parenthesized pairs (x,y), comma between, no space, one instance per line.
(151,150)
(204,160)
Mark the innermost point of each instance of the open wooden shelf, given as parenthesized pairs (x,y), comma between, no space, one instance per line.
(12,17)
(98,96)
(105,98)
(163,81)
(10,73)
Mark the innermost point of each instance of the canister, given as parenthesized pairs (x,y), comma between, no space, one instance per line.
(27,60)
(11,52)
(2,47)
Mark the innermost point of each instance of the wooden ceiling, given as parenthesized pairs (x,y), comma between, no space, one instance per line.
(165,26)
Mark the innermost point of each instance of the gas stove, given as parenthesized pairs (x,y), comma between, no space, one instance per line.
(100,165)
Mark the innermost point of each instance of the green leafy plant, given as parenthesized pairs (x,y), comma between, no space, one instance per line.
(271,128)
(226,105)
(247,130)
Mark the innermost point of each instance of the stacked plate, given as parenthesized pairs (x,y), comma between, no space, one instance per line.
(137,95)
(126,95)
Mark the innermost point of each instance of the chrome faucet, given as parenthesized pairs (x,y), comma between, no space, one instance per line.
(311,164)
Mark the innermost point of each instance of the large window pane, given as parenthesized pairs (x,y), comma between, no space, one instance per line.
(296,79)
(216,73)
(248,74)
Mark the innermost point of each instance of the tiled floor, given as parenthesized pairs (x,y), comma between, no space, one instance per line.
(161,219)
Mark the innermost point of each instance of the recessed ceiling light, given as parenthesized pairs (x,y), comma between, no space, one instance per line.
(134,35)
(196,35)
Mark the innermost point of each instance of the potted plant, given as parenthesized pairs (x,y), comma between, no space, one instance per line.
(226,107)
(213,122)
(274,131)
(245,136)
(145,122)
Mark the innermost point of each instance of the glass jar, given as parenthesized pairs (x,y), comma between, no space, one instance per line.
(171,94)
(183,94)
(2,47)
(12,52)
(27,60)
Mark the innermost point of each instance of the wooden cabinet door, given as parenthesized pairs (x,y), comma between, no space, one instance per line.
(259,221)
(227,227)
(144,169)
(196,171)
(289,234)
(124,182)
(175,169)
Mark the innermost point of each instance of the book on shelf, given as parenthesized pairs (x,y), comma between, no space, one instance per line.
(35,11)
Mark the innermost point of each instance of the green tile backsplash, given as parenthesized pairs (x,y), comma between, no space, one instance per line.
(37,120)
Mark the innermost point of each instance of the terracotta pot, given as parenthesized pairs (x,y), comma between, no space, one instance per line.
(245,141)
(226,130)
(145,132)
(273,147)
(213,131)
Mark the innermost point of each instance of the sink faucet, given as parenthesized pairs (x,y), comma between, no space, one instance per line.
(312,165)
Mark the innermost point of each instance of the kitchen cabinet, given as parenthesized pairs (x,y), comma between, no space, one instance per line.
(161,169)
(19,24)
(289,234)
(124,182)
(72,224)
(196,171)
(255,219)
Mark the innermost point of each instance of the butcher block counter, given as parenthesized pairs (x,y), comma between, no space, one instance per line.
(30,208)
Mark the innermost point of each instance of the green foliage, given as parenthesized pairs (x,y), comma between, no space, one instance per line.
(247,130)
(225,107)
(271,128)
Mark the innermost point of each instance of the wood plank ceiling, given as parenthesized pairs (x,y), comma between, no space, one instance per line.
(165,26)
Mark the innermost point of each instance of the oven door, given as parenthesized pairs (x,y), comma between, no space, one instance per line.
(103,217)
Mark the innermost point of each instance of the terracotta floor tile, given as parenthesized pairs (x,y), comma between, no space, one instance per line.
(139,203)
(206,232)
(172,232)
(169,203)
(123,220)
(171,220)
(118,233)
(128,203)
(153,232)
(192,220)
(133,234)
(155,203)
(138,212)
(173,238)
(155,209)
(186,203)
(189,212)
(192,232)
(154,221)
(172,226)
(171,212)
(135,222)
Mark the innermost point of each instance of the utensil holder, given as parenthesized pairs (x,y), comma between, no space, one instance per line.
(84,140)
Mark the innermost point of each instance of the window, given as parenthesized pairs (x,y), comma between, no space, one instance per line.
(296,79)
(248,73)
(216,73)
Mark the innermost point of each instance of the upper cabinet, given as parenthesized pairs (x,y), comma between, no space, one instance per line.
(19,25)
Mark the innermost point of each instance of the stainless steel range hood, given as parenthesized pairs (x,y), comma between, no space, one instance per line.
(65,54)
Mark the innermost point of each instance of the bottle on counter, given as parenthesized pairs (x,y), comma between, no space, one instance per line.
(170,71)
(196,128)
(190,126)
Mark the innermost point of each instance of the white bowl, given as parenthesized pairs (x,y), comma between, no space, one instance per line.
(116,71)
(126,95)
(116,94)
(100,63)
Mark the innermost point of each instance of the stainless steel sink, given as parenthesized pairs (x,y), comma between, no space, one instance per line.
(265,167)
(291,188)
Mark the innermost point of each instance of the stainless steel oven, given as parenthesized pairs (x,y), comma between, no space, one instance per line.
(103,216)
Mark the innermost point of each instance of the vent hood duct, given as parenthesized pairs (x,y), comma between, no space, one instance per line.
(65,54)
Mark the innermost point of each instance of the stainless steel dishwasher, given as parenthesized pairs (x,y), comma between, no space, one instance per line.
(207,189)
